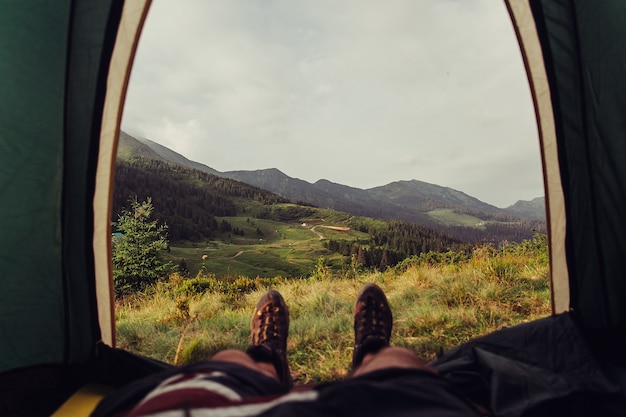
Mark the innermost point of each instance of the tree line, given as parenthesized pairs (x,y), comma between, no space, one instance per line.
(392,243)
(498,233)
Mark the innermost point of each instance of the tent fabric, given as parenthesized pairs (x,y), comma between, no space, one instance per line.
(133,17)
(51,110)
(54,67)
(93,30)
(530,46)
(40,390)
(519,371)
(30,242)
(58,135)
(584,50)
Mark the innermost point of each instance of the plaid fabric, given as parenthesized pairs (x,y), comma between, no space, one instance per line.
(228,390)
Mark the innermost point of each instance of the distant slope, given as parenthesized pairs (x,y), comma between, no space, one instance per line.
(326,194)
(534,209)
(274,180)
(402,200)
(423,196)
(129,148)
(169,155)
(366,203)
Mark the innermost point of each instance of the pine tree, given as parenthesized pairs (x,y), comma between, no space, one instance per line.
(136,254)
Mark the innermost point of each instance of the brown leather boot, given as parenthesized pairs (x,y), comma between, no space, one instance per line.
(372,323)
(268,332)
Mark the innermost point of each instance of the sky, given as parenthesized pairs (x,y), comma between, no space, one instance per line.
(358,92)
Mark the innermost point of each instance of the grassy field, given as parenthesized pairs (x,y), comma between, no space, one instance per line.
(436,307)
(288,249)
(450,218)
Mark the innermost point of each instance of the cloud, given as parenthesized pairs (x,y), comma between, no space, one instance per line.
(362,93)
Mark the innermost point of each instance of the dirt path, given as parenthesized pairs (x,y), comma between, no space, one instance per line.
(337,228)
(321,236)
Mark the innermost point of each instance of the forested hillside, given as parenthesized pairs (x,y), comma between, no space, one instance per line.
(392,243)
(187,200)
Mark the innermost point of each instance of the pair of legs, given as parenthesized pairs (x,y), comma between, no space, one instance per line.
(258,381)
(385,358)
(372,332)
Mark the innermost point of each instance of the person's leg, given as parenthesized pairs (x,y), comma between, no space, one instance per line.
(373,322)
(242,358)
(225,380)
(391,357)
(269,329)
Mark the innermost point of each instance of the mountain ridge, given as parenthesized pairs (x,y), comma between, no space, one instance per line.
(405,200)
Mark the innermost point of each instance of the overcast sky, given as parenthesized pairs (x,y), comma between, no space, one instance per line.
(361,93)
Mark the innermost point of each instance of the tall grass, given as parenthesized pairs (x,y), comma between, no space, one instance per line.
(437,305)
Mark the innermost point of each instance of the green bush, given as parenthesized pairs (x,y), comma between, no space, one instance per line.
(231,286)
(199,285)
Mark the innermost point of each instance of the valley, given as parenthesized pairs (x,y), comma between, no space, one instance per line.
(268,248)
(265,224)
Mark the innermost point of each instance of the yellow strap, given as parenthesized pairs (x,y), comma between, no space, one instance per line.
(84,401)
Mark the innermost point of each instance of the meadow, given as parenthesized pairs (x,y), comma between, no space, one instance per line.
(439,300)
(268,248)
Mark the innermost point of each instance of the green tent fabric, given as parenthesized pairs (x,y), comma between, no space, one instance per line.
(53,69)
(64,68)
(578,64)
(54,66)
(585,55)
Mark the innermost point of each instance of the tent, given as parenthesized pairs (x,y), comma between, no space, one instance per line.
(64,67)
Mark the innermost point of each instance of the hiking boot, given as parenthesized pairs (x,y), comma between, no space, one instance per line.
(372,323)
(268,332)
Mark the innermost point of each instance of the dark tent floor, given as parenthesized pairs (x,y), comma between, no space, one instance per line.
(542,368)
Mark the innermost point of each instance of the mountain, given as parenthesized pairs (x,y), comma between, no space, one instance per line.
(326,194)
(533,209)
(423,196)
(129,147)
(366,203)
(277,182)
(409,201)
(171,156)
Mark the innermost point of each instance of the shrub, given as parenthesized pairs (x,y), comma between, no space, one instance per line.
(136,254)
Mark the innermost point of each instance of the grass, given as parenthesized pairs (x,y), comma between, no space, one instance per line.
(436,307)
(450,218)
(284,248)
